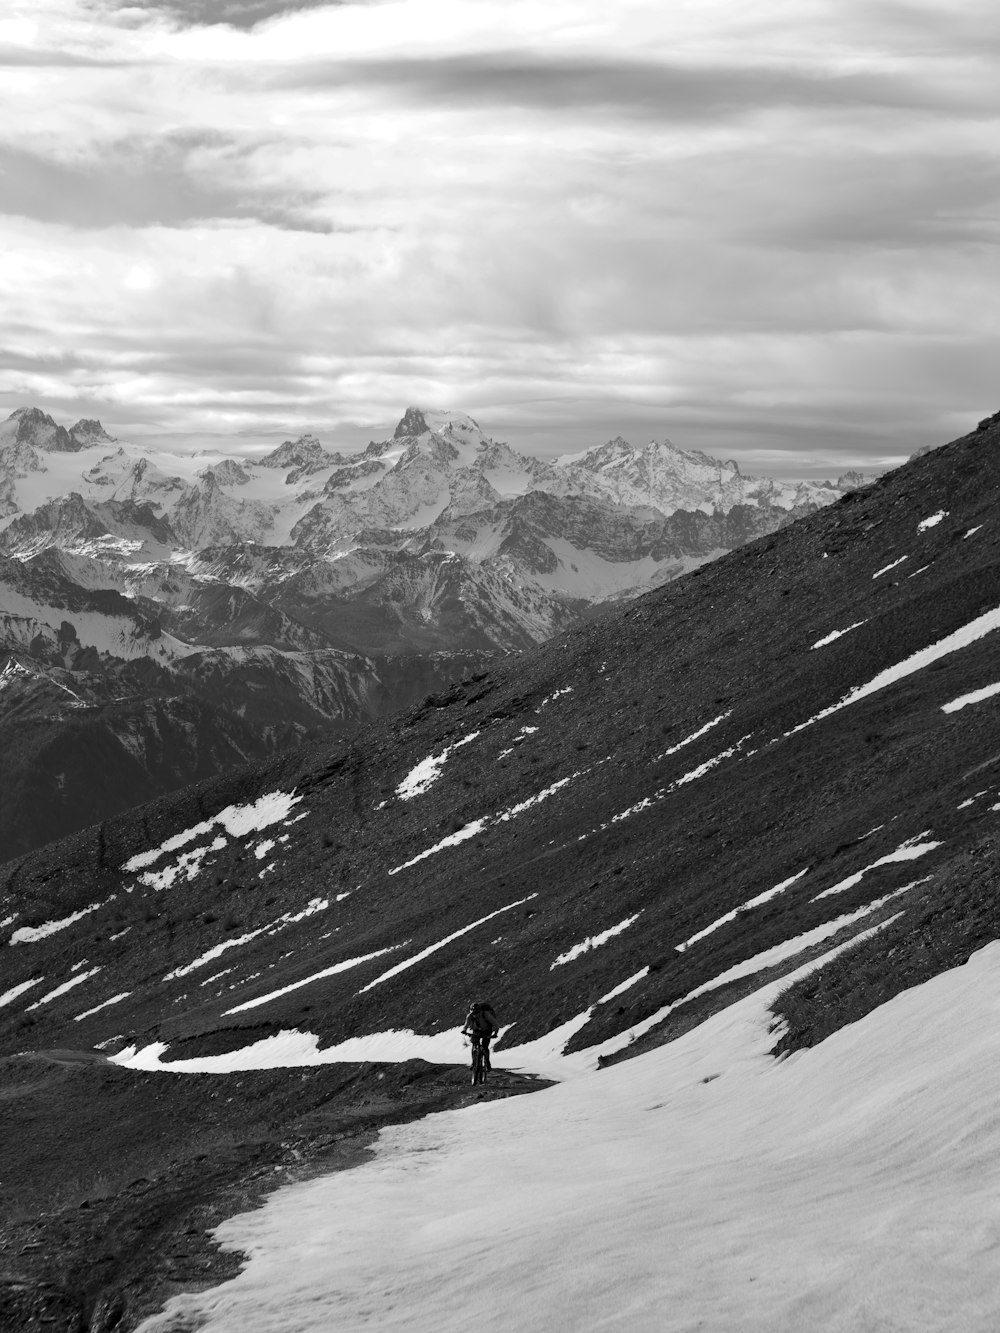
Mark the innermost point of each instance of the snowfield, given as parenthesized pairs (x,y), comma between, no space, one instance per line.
(701,1186)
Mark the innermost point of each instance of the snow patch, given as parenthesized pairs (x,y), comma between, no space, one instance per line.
(594,942)
(976,697)
(960,638)
(522,735)
(737,911)
(187,866)
(313,906)
(885,568)
(910,850)
(9,996)
(215,952)
(31,934)
(477,825)
(105,1004)
(452,840)
(557,694)
(66,986)
(237,820)
(695,735)
(933,521)
(839,633)
(426,773)
(433,948)
(316,976)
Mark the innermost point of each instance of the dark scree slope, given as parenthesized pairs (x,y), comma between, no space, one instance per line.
(659,768)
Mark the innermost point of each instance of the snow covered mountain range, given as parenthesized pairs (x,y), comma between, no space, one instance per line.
(726,862)
(182,613)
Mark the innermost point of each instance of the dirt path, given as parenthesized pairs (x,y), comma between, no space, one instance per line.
(110,1179)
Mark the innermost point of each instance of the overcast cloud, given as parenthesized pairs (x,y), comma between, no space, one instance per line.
(766,231)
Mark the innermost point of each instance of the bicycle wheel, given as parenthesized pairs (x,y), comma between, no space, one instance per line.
(478,1070)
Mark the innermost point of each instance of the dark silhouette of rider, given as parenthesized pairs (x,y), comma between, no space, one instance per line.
(481,1027)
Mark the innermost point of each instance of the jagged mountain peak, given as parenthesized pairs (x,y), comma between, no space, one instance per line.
(417,421)
(31,417)
(305,452)
(412,422)
(30,425)
(131,475)
(663,477)
(226,473)
(853,480)
(88,432)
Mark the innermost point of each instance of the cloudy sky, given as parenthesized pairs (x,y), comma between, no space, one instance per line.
(765,230)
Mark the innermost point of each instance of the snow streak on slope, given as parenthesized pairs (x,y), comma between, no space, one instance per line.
(476,826)
(316,976)
(105,1004)
(960,638)
(910,850)
(761,898)
(31,934)
(976,697)
(885,568)
(692,775)
(9,996)
(215,952)
(427,772)
(452,840)
(440,944)
(694,736)
(594,941)
(701,1185)
(66,986)
(838,634)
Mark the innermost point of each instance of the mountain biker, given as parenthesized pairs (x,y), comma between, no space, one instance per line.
(481,1027)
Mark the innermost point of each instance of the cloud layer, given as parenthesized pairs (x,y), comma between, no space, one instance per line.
(769,231)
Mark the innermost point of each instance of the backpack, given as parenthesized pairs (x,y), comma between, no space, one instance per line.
(482,1019)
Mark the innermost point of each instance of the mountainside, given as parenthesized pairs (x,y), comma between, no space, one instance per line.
(614,836)
(280,595)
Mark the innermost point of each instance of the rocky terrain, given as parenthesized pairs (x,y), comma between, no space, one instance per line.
(173,616)
(614,835)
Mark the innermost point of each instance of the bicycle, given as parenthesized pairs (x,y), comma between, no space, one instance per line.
(480,1060)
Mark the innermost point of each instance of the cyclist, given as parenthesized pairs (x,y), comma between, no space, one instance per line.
(481,1027)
